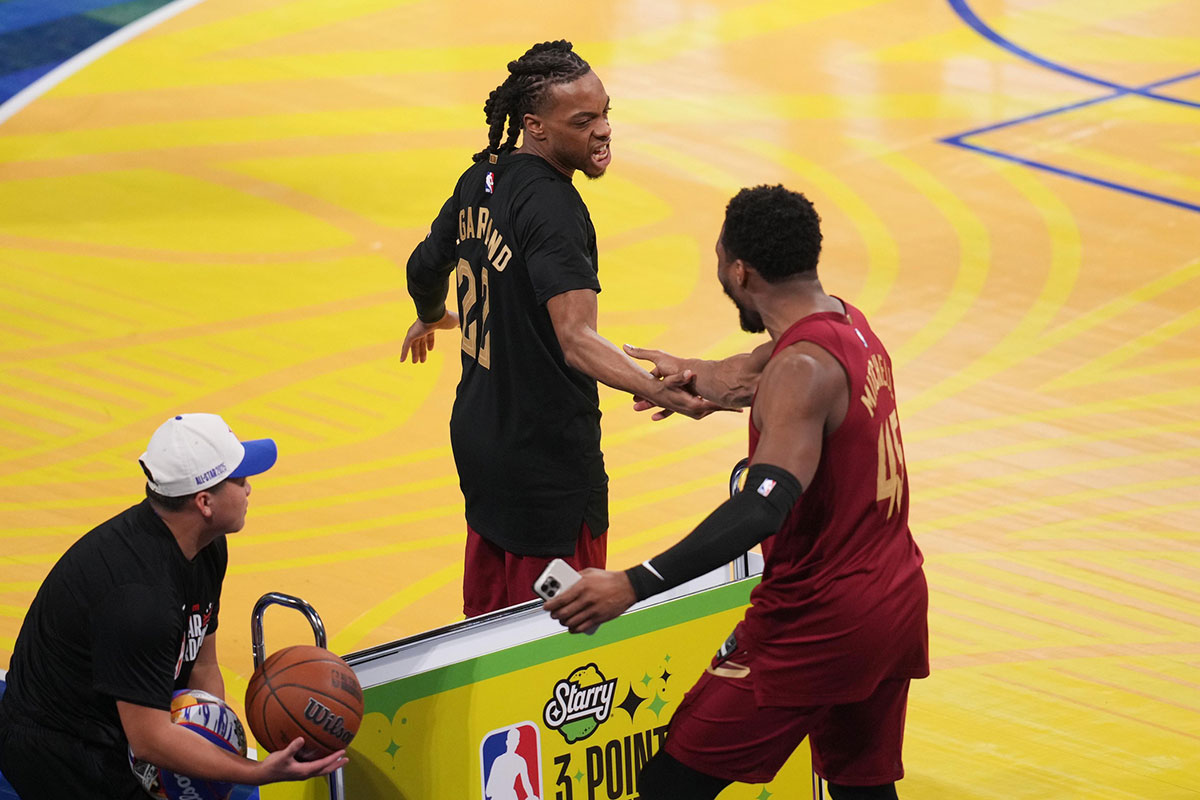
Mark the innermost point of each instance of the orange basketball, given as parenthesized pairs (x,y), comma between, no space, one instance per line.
(304,691)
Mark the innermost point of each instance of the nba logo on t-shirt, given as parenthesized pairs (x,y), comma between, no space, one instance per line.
(511,762)
(489,183)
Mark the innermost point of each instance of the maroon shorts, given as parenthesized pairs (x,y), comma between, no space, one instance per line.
(494,578)
(719,729)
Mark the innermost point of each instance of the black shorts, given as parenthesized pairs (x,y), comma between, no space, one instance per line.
(42,764)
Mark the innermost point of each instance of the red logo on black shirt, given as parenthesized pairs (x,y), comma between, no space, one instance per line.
(193,636)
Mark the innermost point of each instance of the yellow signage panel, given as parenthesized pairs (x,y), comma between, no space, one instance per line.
(567,717)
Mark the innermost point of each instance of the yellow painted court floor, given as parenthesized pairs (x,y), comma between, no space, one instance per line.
(215,215)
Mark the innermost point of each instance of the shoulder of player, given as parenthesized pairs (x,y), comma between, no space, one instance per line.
(803,371)
(545,190)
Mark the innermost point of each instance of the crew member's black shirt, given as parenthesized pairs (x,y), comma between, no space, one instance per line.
(525,428)
(121,616)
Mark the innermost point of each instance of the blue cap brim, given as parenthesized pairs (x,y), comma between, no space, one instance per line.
(260,457)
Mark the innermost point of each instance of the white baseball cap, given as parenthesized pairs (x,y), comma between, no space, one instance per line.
(192,452)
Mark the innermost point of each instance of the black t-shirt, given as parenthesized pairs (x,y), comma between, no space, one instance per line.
(121,616)
(525,429)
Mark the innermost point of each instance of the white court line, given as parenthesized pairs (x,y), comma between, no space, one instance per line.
(80,60)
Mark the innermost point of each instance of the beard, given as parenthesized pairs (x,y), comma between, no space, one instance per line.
(751,321)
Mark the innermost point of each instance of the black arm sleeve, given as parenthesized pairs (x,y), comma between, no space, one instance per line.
(431,263)
(734,527)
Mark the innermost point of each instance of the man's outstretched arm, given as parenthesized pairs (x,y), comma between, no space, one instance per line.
(428,272)
(154,738)
(574,314)
(799,391)
(729,382)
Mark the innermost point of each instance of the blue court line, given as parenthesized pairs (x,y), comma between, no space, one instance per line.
(959,140)
(51,43)
(1124,92)
(14,82)
(18,14)
(1067,173)
(967,15)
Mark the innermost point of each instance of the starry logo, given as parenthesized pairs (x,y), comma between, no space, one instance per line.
(579,703)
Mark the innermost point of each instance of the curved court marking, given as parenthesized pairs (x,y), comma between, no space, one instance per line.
(106,45)
(974,262)
(883,255)
(1025,338)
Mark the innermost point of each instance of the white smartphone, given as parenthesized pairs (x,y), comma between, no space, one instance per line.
(558,576)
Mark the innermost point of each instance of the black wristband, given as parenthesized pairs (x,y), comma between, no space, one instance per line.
(734,527)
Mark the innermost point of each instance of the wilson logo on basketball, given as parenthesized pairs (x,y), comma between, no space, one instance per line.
(333,724)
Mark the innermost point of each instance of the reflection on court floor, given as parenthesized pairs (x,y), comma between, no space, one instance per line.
(215,216)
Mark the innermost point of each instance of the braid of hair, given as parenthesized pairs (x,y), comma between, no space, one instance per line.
(524,90)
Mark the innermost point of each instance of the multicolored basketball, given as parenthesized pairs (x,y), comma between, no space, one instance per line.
(304,691)
(209,717)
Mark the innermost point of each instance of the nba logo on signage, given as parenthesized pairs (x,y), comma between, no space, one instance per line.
(511,762)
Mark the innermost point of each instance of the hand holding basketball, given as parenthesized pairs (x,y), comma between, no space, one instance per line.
(283,765)
(304,692)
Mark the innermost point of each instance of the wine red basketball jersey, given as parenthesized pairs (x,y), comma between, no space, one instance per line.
(843,600)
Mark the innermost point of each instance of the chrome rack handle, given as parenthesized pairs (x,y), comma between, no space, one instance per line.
(279,599)
(337,790)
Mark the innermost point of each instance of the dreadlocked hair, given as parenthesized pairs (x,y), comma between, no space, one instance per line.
(524,90)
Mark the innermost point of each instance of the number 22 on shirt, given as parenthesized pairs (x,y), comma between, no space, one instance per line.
(471,344)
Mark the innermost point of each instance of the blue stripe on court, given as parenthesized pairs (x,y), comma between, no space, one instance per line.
(14,82)
(1067,173)
(51,43)
(1136,91)
(1050,112)
(967,15)
(16,15)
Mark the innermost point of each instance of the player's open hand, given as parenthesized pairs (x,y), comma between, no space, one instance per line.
(676,391)
(665,364)
(677,394)
(419,338)
(282,765)
(598,596)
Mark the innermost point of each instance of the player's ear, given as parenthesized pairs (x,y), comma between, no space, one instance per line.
(203,503)
(534,127)
(739,268)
